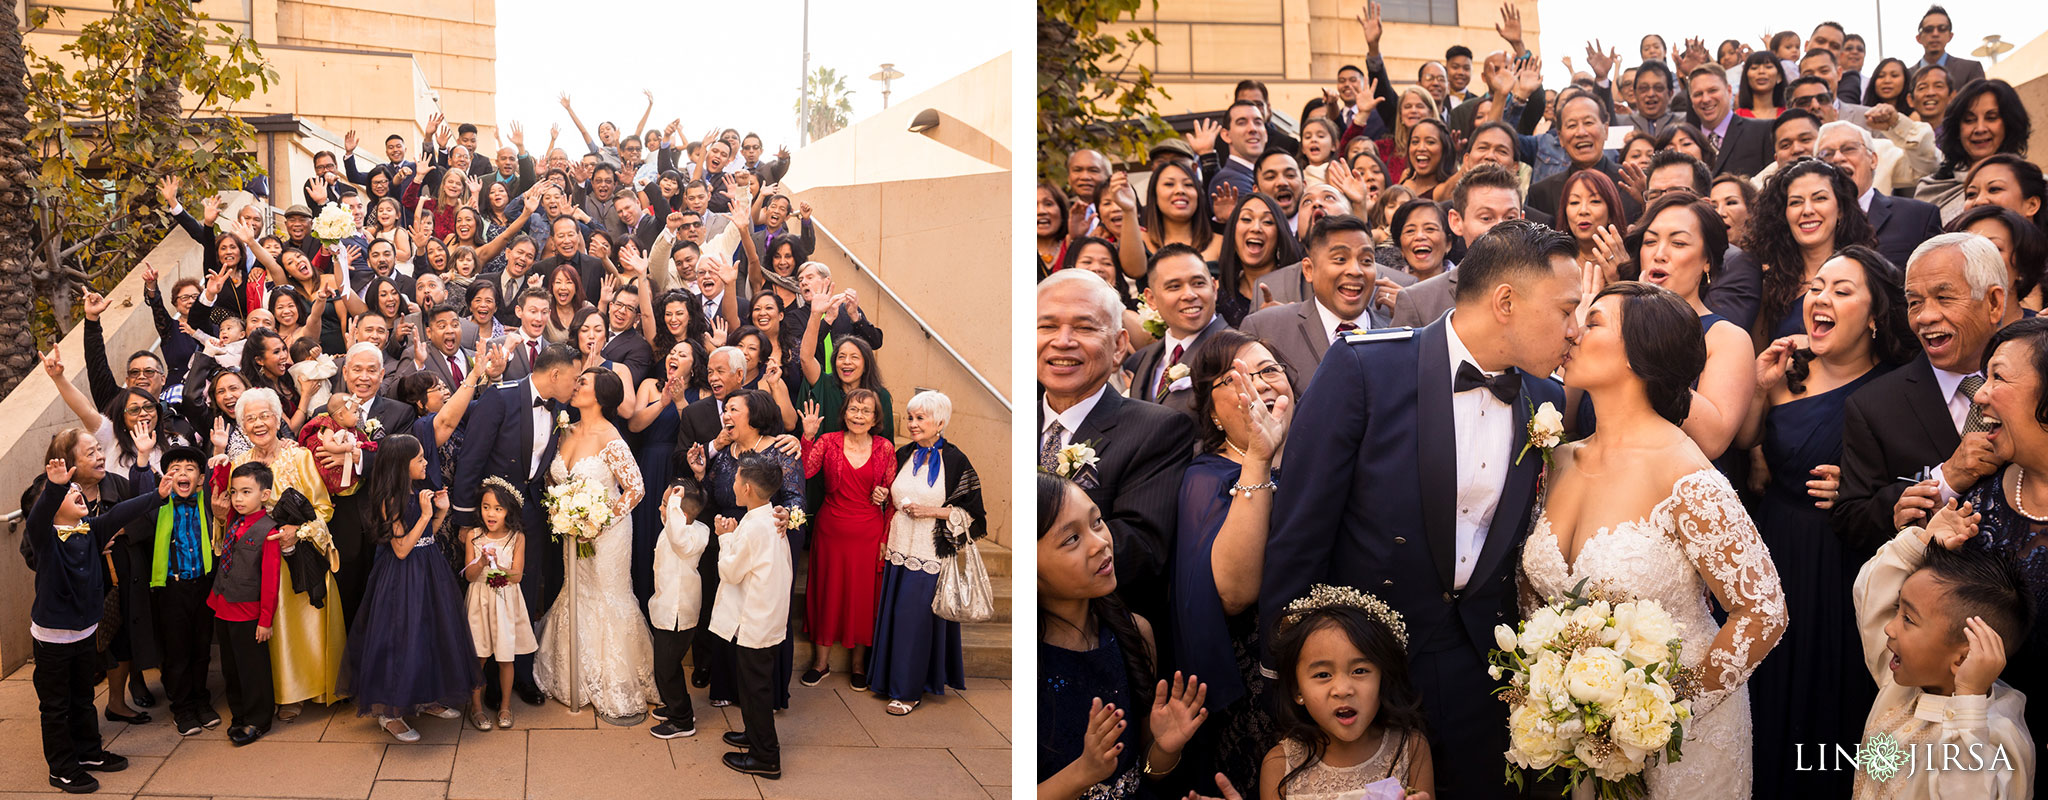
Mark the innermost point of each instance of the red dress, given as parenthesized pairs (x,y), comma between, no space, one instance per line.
(845,586)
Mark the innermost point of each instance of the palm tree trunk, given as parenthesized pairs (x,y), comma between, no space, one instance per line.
(17,295)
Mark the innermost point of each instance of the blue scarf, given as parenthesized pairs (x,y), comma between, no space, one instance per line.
(922,455)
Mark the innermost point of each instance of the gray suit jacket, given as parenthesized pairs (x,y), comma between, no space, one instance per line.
(1296,336)
(1960,71)
(1144,368)
(437,364)
(1421,304)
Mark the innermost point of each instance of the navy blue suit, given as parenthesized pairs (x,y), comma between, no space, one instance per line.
(1369,502)
(498,442)
(1902,223)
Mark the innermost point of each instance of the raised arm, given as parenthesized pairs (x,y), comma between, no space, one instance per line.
(642,126)
(88,416)
(496,245)
(1723,546)
(574,120)
(808,352)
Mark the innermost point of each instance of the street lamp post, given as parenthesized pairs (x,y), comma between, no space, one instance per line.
(888,73)
(803,85)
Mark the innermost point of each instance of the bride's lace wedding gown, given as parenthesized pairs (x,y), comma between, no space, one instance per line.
(1698,540)
(595,633)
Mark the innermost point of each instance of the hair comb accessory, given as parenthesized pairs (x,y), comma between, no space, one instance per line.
(1323,595)
(501,483)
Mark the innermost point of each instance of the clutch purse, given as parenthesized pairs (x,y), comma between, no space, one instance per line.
(963,594)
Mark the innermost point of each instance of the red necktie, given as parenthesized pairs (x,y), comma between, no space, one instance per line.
(532,353)
(1163,381)
(455,369)
(1343,328)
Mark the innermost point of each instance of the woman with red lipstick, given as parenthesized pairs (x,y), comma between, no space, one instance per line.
(1254,244)
(1855,330)
(1589,203)
(1679,245)
(2013,523)
(1804,215)
(1177,210)
(1429,156)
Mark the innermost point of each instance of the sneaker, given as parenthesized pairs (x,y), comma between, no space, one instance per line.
(670,730)
(80,783)
(720,703)
(103,761)
(188,726)
(813,677)
(209,719)
(859,681)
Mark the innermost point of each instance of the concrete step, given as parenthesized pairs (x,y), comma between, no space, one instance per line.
(985,648)
(994,557)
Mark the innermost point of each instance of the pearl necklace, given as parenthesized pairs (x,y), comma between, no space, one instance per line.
(2019,490)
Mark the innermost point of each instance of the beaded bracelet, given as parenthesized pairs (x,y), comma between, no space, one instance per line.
(1242,490)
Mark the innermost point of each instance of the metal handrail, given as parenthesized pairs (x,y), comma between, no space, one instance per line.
(921,324)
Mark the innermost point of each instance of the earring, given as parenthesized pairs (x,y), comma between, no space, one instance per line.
(1218,423)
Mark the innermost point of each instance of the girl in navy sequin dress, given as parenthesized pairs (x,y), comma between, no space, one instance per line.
(1104,725)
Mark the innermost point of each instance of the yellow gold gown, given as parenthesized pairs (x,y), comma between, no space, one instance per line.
(306,643)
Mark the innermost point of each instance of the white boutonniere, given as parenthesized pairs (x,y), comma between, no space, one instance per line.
(1178,379)
(373,428)
(561,421)
(1074,458)
(797,518)
(1546,432)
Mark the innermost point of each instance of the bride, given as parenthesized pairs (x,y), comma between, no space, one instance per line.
(1637,509)
(594,647)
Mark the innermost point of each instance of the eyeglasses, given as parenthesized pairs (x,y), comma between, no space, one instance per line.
(1824,98)
(137,411)
(144,372)
(1847,150)
(1268,375)
(693,224)
(187,297)
(1936,28)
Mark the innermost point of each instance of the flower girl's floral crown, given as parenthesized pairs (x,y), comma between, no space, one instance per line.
(501,483)
(1323,595)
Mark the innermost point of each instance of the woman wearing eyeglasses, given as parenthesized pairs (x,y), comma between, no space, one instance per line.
(1244,404)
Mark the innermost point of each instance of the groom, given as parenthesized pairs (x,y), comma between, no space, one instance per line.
(511,434)
(1419,444)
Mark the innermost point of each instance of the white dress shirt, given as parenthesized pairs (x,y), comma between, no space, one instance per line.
(1331,320)
(678,594)
(1070,420)
(752,606)
(540,419)
(1166,359)
(1484,429)
(1864,199)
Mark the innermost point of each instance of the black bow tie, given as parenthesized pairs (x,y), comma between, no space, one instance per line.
(1505,386)
(540,402)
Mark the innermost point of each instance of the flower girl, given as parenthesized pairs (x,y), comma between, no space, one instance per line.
(1353,721)
(497,608)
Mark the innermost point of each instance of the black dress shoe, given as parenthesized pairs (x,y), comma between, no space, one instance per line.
(737,739)
(750,764)
(245,734)
(138,718)
(699,678)
(531,694)
(103,761)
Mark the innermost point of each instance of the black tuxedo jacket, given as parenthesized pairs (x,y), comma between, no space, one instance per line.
(508,291)
(1737,289)
(699,425)
(1902,223)
(1144,448)
(1745,149)
(1370,502)
(632,350)
(498,441)
(1893,427)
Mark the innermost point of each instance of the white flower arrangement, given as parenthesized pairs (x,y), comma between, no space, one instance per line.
(578,507)
(1177,372)
(1595,688)
(797,518)
(1075,457)
(333,225)
(561,421)
(372,427)
(1546,432)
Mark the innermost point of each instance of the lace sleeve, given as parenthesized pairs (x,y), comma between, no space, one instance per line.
(619,459)
(1723,546)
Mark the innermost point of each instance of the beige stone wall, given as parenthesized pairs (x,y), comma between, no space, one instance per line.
(2026,68)
(1294,46)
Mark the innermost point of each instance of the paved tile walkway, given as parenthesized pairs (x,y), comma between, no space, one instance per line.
(836,743)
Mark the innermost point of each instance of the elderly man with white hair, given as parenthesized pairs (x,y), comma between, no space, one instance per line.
(1140,448)
(1914,437)
(1877,166)
(917,652)
(362,377)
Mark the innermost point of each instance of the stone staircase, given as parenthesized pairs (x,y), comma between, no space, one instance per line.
(985,646)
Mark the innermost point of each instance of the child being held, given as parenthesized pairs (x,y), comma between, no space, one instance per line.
(678,595)
(309,363)
(751,611)
(498,622)
(70,601)
(342,422)
(1935,612)
(1352,721)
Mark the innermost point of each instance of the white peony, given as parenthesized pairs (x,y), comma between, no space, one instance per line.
(1546,679)
(1534,742)
(1596,676)
(1546,427)
(334,224)
(1642,723)
(1650,632)
(1542,626)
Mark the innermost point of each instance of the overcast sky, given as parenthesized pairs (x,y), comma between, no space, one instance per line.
(738,67)
(1567,24)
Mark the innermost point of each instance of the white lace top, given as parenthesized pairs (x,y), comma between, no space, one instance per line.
(1324,782)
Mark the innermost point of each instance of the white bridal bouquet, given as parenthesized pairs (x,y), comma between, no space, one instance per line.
(333,225)
(579,508)
(1594,688)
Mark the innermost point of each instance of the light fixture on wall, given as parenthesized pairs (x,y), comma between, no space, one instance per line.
(925,120)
